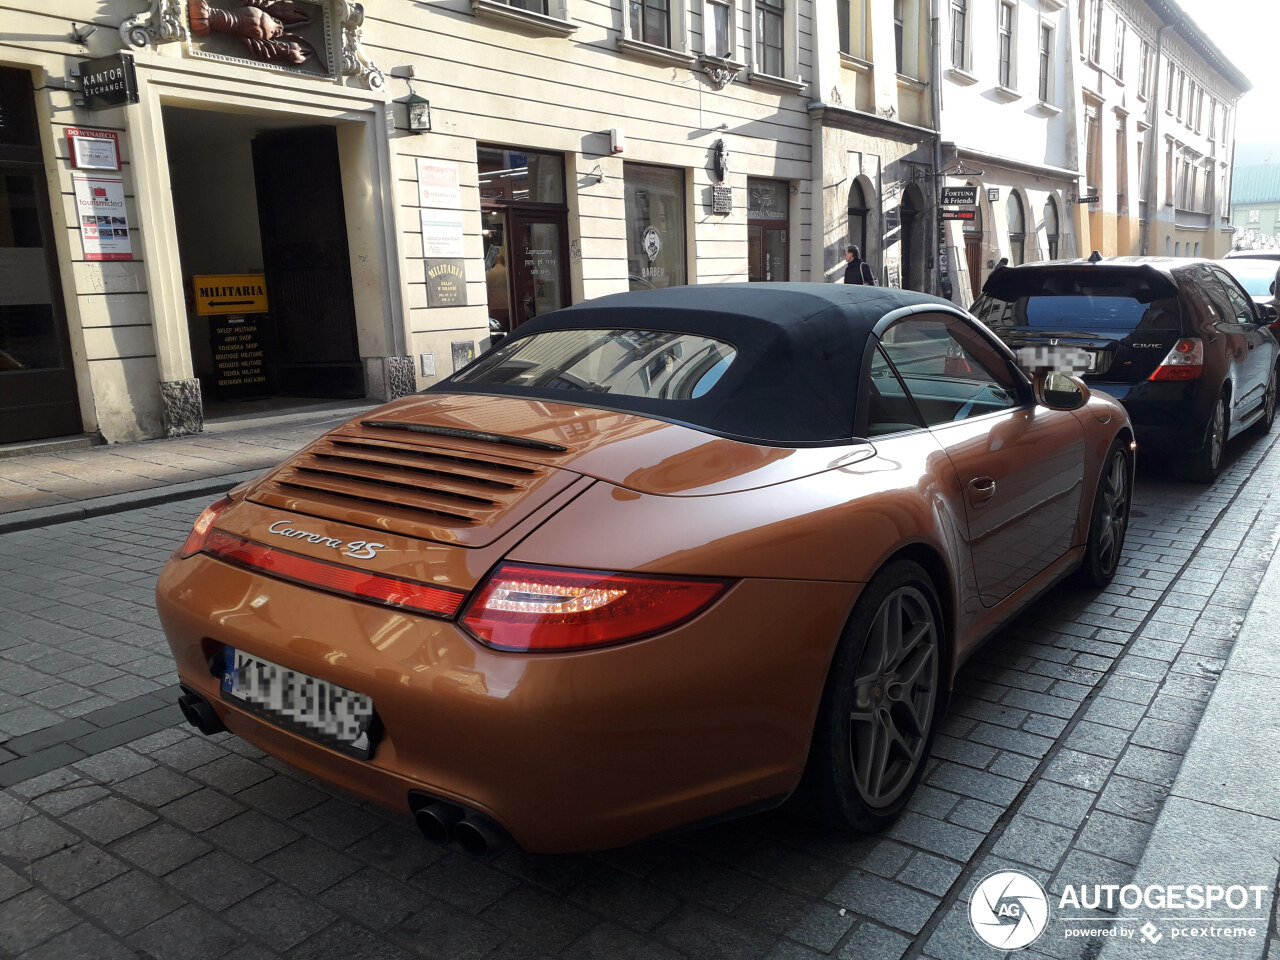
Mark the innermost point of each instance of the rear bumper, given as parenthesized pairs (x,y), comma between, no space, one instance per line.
(568,752)
(1166,417)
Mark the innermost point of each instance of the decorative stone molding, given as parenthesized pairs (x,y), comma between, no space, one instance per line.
(401,378)
(183,410)
(162,23)
(719,71)
(354,61)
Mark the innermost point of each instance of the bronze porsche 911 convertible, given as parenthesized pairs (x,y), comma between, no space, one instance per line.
(659,558)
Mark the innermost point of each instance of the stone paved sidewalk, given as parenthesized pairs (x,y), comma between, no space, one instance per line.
(124,834)
(70,476)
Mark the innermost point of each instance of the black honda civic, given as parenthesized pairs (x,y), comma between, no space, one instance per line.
(1177,341)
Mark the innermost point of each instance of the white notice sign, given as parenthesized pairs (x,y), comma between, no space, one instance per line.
(104,225)
(438,184)
(442,233)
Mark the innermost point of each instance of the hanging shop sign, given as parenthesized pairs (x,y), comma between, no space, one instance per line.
(958,214)
(438,184)
(219,294)
(959,196)
(93,149)
(1088,200)
(104,224)
(442,234)
(446,283)
(239,356)
(107,82)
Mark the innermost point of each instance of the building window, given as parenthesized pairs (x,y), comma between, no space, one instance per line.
(655,212)
(959,33)
(768,249)
(1144,71)
(721,40)
(1046,62)
(533,6)
(1051,227)
(651,22)
(1017,229)
(769,34)
(1004,44)
(1199,109)
(1095,30)
(853,28)
(1213,118)
(1253,216)
(1121,29)
(1092,153)
(899,26)
(858,219)
(1168,171)
(1182,92)
(1197,253)
(1168,89)
(1177,249)
(1122,167)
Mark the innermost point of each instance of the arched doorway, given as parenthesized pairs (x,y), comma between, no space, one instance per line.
(858,218)
(1051,227)
(972,230)
(912,238)
(1017,215)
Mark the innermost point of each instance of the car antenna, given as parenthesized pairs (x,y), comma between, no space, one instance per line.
(1095,257)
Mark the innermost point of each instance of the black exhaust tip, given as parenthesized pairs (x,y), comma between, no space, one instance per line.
(478,834)
(438,821)
(200,714)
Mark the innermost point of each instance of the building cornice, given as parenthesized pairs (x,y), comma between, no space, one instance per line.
(843,118)
(1039,169)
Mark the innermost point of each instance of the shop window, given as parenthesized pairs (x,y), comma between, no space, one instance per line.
(768,229)
(655,212)
(1017,229)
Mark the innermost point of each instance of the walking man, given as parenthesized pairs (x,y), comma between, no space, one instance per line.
(856,269)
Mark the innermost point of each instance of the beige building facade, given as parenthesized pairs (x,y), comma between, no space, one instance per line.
(269,155)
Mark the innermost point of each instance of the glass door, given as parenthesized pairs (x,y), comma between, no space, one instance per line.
(540,278)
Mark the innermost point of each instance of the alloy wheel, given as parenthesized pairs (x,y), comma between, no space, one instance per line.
(1216,430)
(1115,512)
(894,696)
(1269,400)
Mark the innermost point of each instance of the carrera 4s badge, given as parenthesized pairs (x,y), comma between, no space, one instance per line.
(356,549)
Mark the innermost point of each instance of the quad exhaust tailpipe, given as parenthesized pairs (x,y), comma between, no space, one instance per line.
(443,822)
(200,714)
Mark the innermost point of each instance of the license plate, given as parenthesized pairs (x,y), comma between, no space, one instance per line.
(1063,359)
(316,708)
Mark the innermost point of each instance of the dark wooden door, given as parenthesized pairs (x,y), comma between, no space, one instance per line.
(973,257)
(37,383)
(306,261)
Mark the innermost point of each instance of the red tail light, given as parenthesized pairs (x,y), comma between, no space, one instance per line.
(200,529)
(550,609)
(1184,362)
(346,581)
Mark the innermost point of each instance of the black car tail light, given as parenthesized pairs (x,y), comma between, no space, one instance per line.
(1185,361)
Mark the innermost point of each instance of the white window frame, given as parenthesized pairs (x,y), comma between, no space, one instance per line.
(859,24)
(789,78)
(708,32)
(911,65)
(1095,31)
(678,30)
(1008,81)
(1045,60)
(1122,30)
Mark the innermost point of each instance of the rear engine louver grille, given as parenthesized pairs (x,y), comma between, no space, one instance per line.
(402,488)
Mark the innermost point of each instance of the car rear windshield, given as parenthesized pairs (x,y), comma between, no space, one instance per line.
(654,365)
(1079,302)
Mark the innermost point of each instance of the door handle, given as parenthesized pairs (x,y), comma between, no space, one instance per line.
(981,489)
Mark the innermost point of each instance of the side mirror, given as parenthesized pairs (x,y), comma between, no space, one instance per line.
(1267,313)
(1059,391)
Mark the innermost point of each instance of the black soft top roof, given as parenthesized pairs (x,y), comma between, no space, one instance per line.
(799,348)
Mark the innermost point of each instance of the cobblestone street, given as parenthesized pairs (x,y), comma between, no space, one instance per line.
(125,834)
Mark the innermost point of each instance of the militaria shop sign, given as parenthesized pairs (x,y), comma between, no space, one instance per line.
(107,82)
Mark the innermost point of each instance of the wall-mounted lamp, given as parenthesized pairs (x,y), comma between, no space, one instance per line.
(418,108)
(81,32)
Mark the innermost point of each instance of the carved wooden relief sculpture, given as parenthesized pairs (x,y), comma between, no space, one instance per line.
(265,27)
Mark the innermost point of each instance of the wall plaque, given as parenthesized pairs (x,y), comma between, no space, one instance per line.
(722,199)
(239,356)
(446,283)
(464,351)
(107,82)
(93,149)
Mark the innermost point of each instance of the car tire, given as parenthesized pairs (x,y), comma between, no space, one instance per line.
(1204,464)
(881,704)
(1109,519)
(1263,424)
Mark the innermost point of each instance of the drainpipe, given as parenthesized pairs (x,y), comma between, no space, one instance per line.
(935,60)
(1155,148)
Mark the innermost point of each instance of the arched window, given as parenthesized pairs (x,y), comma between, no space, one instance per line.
(858,219)
(1167,244)
(1051,227)
(1017,230)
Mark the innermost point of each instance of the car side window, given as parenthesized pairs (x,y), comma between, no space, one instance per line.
(1241,307)
(889,409)
(950,371)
